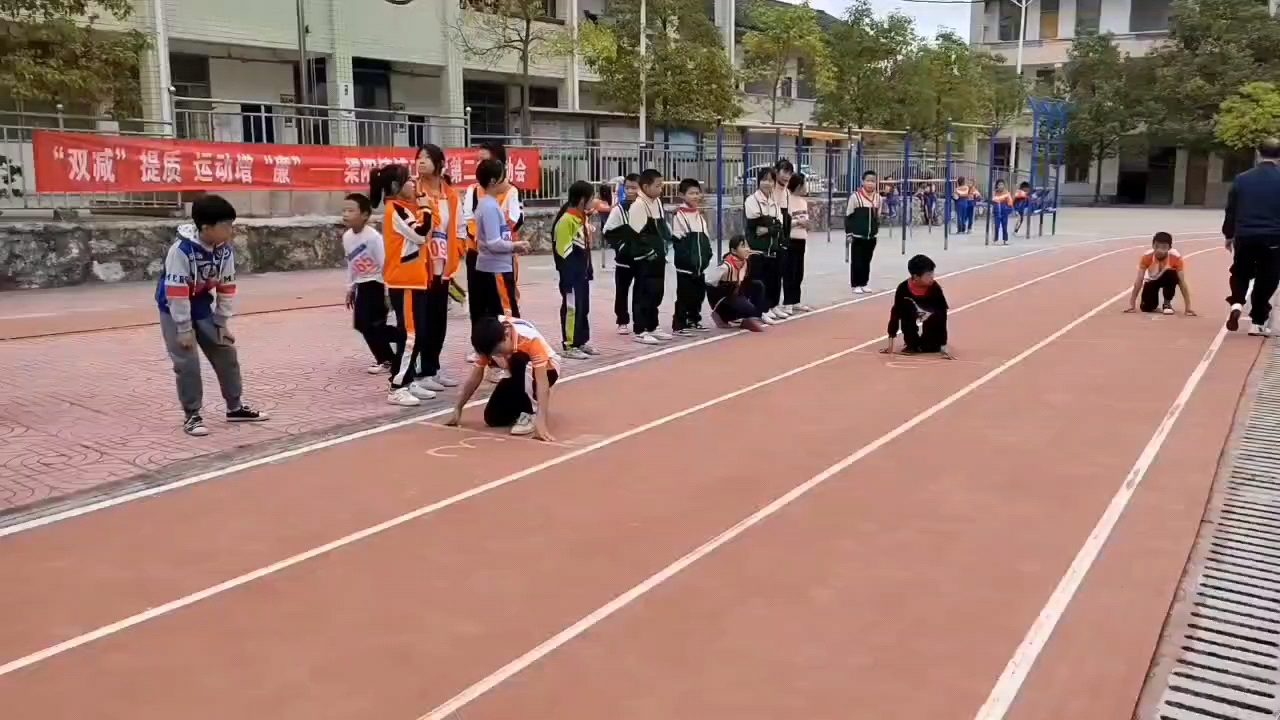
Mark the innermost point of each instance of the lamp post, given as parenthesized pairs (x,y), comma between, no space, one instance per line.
(1013,132)
(644,136)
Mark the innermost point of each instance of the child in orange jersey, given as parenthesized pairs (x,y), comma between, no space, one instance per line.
(1021,203)
(437,201)
(1001,209)
(1161,272)
(919,311)
(516,345)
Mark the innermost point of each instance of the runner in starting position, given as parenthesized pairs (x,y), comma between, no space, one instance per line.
(512,344)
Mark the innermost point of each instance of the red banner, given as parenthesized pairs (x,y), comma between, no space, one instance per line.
(91,163)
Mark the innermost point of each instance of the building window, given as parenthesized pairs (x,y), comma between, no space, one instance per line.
(1079,158)
(1045,81)
(1088,15)
(757,87)
(189,75)
(488,103)
(787,87)
(805,83)
(1048,19)
(544,97)
(1148,15)
(371,90)
(258,123)
(1010,21)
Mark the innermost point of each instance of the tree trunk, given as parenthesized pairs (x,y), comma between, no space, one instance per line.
(1097,179)
(526,83)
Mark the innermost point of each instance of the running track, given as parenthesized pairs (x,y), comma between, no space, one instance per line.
(763,527)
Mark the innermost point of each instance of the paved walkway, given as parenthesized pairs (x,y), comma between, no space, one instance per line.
(88,411)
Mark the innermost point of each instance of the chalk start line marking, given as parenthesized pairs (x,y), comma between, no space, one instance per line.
(464,444)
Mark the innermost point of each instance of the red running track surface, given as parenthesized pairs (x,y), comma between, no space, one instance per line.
(899,586)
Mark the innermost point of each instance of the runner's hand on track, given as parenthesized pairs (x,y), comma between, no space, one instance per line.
(541,432)
(1131,309)
(455,420)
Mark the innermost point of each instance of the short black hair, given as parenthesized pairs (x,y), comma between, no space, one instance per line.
(580,191)
(487,333)
(361,202)
(766,173)
(648,177)
(688,183)
(631,177)
(497,151)
(735,242)
(796,182)
(1024,185)
(872,173)
(1162,238)
(1270,148)
(489,172)
(920,264)
(386,181)
(784,165)
(211,210)
(605,192)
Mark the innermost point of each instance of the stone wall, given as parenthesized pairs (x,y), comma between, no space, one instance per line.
(59,254)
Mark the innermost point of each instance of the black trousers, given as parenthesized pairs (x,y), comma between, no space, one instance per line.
(369,316)
(474,308)
(1152,290)
(410,307)
(793,272)
(650,281)
(748,302)
(766,270)
(509,398)
(927,337)
(575,306)
(495,294)
(432,327)
(861,250)
(622,279)
(691,291)
(1257,259)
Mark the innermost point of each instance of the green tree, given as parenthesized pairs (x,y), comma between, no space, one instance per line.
(864,56)
(1214,48)
(1104,88)
(951,86)
(53,51)
(688,79)
(1003,96)
(780,34)
(492,31)
(1249,117)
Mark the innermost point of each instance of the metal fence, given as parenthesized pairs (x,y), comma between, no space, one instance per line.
(18,166)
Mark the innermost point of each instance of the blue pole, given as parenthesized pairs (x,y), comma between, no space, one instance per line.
(946,219)
(719,190)
(906,173)
(991,181)
(1035,156)
(1057,175)
(829,172)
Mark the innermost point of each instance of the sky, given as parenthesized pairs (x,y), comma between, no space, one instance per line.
(929,17)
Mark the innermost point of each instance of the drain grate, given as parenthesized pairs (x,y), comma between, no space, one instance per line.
(1226,652)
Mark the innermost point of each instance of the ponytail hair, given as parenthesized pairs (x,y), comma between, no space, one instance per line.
(385,182)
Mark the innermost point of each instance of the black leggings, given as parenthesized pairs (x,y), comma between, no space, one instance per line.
(793,272)
(622,278)
(767,271)
(745,303)
(370,319)
(861,250)
(509,398)
(1152,290)
(1256,259)
(646,295)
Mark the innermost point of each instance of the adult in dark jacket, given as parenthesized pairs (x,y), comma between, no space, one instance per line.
(1252,231)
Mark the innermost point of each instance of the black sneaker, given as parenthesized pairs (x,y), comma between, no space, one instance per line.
(194,426)
(245,414)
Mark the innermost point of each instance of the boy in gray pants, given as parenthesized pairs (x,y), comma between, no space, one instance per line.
(195,296)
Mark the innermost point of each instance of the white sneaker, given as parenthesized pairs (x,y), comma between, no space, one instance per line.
(1259,330)
(471,356)
(781,312)
(445,380)
(574,353)
(684,332)
(857,291)
(403,398)
(769,319)
(523,426)
(494,374)
(420,391)
(431,384)
(379,368)
(661,335)
(624,329)
(647,339)
(802,308)
(589,349)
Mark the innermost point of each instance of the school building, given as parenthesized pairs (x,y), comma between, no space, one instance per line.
(1141,173)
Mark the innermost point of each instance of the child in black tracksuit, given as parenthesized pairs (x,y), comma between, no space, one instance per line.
(861,223)
(691,251)
(620,238)
(919,311)
(764,236)
(648,259)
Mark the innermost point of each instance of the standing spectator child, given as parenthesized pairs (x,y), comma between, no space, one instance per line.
(764,235)
(861,224)
(445,250)
(793,260)
(572,234)
(366,295)
(783,171)
(963,196)
(196,296)
(495,276)
(620,238)
(1001,209)
(691,251)
(649,258)
(508,198)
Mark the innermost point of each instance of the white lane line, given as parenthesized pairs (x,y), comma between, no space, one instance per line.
(563,637)
(405,422)
(425,510)
(1019,667)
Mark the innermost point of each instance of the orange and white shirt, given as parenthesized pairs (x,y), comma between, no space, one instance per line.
(526,340)
(1152,267)
(446,241)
